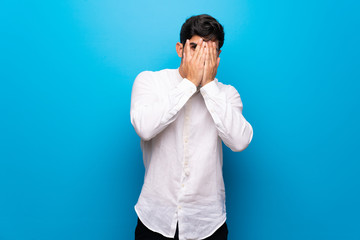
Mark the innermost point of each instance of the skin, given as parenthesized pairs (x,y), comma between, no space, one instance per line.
(199,60)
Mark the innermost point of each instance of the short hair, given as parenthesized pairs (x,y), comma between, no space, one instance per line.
(204,26)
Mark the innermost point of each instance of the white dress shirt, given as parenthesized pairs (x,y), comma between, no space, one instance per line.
(181,129)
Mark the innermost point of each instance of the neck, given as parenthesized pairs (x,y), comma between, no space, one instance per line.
(181,71)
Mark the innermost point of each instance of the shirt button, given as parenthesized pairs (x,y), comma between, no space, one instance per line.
(186,140)
(187,172)
(182,185)
(186,163)
(179,207)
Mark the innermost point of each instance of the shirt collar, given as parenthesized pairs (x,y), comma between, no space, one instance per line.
(178,76)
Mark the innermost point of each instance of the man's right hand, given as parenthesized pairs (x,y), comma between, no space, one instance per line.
(193,65)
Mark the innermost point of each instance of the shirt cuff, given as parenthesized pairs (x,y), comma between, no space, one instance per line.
(210,89)
(188,86)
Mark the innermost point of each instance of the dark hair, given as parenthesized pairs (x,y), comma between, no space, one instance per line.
(204,26)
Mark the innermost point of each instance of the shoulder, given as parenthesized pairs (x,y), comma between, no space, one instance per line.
(155,80)
(160,74)
(227,88)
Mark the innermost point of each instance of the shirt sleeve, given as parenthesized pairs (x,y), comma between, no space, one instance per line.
(225,107)
(152,109)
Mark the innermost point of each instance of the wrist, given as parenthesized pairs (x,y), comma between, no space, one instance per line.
(206,82)
(193,80)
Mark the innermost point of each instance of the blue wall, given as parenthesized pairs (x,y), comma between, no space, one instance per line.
(70,161)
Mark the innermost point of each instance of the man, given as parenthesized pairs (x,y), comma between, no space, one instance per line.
(182,116)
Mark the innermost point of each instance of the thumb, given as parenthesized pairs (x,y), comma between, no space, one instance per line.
(207,57)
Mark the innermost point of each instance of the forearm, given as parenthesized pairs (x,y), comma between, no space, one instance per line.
(226,111)
(150,113)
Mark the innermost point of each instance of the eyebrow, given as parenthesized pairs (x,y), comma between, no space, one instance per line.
(192,44)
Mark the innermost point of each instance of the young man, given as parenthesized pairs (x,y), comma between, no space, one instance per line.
(182,116)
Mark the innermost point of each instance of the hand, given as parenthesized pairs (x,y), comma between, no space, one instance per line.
(212,61)
(192,67)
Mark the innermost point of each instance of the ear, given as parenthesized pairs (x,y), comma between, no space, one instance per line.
(179,49)
(219,52)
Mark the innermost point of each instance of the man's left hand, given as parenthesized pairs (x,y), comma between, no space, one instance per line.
(212,61)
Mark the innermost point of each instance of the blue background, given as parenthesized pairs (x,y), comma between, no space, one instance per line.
(70,161)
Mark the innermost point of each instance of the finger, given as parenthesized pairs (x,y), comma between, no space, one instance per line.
(197,49)
(211,57)
(200,56)
(207,50)
(206,65)
(214,55)
(187,48)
